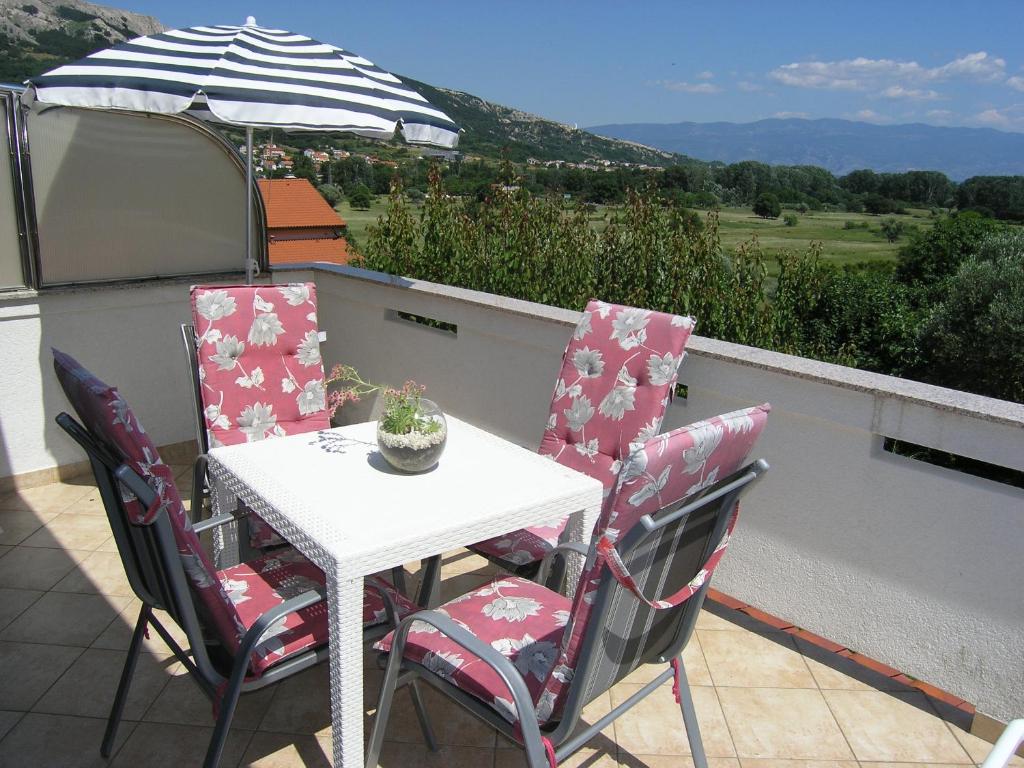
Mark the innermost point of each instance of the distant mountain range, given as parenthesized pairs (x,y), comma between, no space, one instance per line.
(840,146)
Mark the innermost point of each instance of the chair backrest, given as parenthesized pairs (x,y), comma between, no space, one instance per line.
(260,369)
(113,437)
(188,338)
(618,374)
(610,631)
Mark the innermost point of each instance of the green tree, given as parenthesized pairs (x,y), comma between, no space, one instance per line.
(935,254)
(974,336)
(361,198)
(891,229)
(331,193)
(767,206)
(791,219)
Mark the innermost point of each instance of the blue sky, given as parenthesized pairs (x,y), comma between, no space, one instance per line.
(938,62)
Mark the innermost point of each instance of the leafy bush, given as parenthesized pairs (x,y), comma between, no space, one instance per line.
(936,254)
(331,193)
(790,220)
(891,229)
(878,205)
(855,224)
(361,198)
(974,337)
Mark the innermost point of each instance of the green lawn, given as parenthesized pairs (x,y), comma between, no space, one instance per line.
(843,246)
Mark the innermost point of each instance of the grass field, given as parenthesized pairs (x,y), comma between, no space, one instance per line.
(839,245)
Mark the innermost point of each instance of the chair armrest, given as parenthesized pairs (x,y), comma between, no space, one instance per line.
(389,605)
(559,551)
(214,522)
(256,631)
(500,664)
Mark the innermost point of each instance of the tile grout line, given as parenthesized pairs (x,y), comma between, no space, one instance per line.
(846,739)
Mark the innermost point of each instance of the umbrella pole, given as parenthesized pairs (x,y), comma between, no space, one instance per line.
(250,262)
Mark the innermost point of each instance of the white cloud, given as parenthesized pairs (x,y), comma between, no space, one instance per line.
(861,74)
(682,87)
(748,87)
(868,116)
(784,115)
(994,118)
(707,74)
(1016,82)
(914,94)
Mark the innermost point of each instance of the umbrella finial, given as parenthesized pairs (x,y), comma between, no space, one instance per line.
(250,21)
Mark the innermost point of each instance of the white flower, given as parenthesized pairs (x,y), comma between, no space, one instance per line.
(561,390)
(583,327)
(740,421)
(678,321)
(228,352)
(588,362)
(259,304)
(705,439)
(552,420)
(579,413)
(309,349)
(256,420)
(254,379)
(265,330)
(651,488)
(443,664)
(629,327)
(295,293)
(536,658)
(562,673)
(588,449)
(709,479)
(603,309)
(215,418)
(561,618)
(311,398)
(545,706)
(511,608)
(271,642)
(624,378)
(648,431)
(617,402)
(236,589)
(214,305)
(661,369)
(287,385)
(634,466)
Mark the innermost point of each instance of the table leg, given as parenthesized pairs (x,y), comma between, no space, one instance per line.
(225,537)
(579,528)
(345,614)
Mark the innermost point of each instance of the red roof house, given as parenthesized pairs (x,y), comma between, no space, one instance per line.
(301,226)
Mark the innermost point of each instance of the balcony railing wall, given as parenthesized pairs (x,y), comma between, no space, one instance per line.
(912,564)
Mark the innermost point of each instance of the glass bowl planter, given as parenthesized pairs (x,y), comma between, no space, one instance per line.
(417,450)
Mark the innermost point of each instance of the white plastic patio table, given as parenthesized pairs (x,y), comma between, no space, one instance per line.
(332,496)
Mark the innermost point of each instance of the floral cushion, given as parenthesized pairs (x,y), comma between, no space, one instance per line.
(107,417)
(521,619)
(663,470)
(617,377)
(259,585)
(260,370)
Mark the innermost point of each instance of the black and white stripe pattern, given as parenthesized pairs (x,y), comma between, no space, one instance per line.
(249,76)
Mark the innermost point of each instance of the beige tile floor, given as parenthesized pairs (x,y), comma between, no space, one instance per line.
(764,700)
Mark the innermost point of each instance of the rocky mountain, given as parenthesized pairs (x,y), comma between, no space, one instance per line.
(840,146)
(37,35)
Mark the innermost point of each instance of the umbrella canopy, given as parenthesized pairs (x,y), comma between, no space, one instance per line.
(248,76)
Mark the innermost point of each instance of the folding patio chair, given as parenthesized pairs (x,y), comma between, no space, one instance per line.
(618,375)
(526,659)
(247,626)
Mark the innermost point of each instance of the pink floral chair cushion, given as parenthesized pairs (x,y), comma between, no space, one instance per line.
(231,600)
(519,618)
(540,630)
(618,374)
(260,369)
(257,586)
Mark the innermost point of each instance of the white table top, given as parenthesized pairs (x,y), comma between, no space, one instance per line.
(336,489)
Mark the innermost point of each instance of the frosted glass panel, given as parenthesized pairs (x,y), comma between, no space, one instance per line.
(10,244)
(126,196)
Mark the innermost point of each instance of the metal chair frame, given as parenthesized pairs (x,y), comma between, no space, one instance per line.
(152,564)
(593,673)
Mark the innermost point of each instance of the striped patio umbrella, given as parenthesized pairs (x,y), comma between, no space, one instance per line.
(252,77)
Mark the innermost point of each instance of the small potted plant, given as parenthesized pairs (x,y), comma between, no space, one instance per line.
(411,432)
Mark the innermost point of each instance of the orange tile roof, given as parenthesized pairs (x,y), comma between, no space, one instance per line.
(333,251)
(296,203)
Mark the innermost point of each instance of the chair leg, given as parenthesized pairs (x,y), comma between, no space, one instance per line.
(126,680)
(421,715)
(380,720)
(228,703)
(398,579)
(690,717)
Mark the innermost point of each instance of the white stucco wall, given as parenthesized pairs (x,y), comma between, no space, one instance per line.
(129,336)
